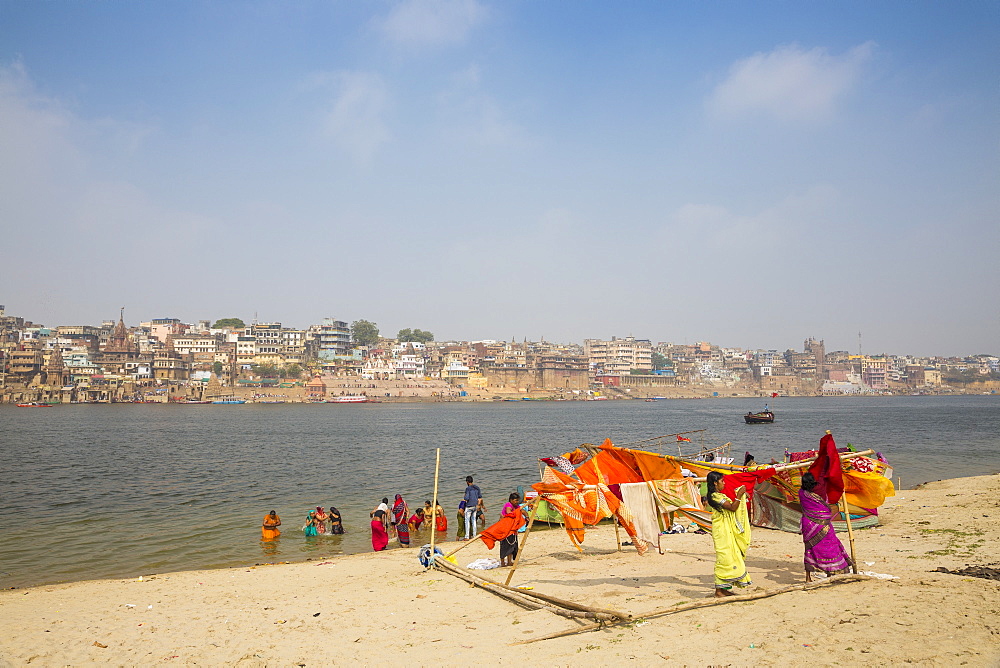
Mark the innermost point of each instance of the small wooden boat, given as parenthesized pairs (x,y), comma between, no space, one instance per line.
(34,404)
(759,418)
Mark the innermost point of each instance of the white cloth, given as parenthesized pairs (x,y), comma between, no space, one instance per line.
(484,564)
(638,498)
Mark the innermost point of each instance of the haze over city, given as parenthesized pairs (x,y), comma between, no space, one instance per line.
(748,174)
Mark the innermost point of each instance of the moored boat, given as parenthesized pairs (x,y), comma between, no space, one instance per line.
(351,399)
(759,418)
(34,404)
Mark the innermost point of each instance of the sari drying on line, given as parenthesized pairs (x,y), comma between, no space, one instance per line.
(823,550)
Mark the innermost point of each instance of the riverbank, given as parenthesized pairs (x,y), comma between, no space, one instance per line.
(372,608)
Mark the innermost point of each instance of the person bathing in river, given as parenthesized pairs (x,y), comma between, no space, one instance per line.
(269,531)
(336,521)
(321,518)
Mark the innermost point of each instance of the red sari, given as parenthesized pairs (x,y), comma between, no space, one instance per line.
(380,538)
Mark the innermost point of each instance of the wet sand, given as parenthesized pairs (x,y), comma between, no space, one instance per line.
(377,609)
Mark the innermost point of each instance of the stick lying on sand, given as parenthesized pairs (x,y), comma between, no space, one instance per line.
(533,599)
(832,580)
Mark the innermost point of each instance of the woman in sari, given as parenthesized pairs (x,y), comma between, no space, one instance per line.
(400,517)
(380,537)
(461,520)
(336,522)
(310,526)
(440,519)
(730,534)
(508,546)
(320,520)
(823,550)
(269,530)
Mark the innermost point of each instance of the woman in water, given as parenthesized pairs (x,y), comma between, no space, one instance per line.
(730,534)
(400,516)
(823,550)
(336,522)
(269,531)
(380,537)
(321,518)
(310,526)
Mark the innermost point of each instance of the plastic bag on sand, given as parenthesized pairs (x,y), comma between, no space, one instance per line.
(880,576)
(484,564)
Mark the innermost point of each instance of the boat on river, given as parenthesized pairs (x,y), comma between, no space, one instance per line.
(34,404)
(350,399)
(759,418)
(228,400)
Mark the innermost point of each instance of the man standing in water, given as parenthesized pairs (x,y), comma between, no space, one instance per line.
(472,496)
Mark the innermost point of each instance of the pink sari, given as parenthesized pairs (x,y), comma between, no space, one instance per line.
(823,550)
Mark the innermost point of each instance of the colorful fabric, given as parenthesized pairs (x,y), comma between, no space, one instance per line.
(320,520)
(823,550)
(380,538)
(731,537)
(867,490)
(399,520)
(310,526)
(828,471)
(269,529)
(639,499)
(683,497)
(507,526)
(580,507)
(440,521)
(747,479)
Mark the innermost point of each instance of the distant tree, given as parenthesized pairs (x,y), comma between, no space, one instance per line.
(417,335)
(265,370)
(660,361)
(229,323)
(217,368)
(291,371)
(364,333)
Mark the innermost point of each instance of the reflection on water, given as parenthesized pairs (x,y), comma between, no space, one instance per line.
(92,491)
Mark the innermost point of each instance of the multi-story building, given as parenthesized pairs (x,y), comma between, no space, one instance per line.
(330,340)
(619,355)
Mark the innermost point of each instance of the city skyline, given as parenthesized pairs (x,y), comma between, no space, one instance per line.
(750,175)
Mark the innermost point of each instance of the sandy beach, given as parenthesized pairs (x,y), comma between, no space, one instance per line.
(377,609)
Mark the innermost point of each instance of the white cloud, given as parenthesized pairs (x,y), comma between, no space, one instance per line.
(432,22)
(474,117)
(355,121)
(789,83)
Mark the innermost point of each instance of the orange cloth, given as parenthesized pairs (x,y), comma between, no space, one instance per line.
(441,522)
(508,525)
(269,529)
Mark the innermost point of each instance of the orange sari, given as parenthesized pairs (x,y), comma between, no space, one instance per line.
(269,529)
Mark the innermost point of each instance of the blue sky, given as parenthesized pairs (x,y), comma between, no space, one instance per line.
(750,174)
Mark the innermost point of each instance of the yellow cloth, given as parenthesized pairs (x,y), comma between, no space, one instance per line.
(731,535)
(867,490)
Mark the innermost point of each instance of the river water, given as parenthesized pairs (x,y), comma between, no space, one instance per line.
(118,490)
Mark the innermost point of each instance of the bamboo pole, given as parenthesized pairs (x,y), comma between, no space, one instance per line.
(618,537)
(526,598)
(462,546)
(433,524)
(806,586)
(850,531)
(524,543)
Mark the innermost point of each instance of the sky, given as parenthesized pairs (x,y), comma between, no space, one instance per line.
(749,174)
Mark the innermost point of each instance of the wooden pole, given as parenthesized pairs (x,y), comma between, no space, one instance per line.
(433,524)
(462,546)
(520,552)
(850,532)
(618,537)
(835,579)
